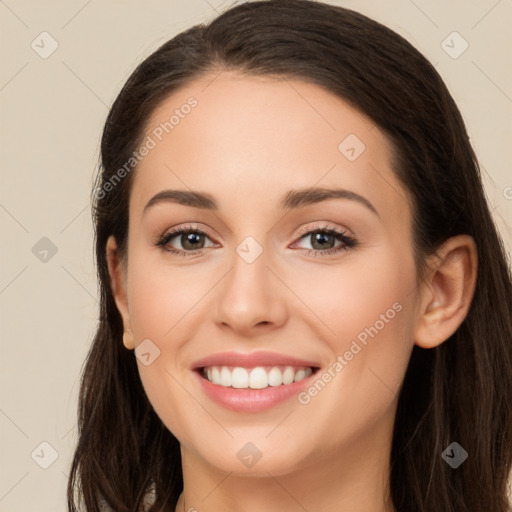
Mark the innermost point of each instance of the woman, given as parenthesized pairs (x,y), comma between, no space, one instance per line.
(305,304)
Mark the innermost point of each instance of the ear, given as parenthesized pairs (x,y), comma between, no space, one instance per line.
(448,292)
(117,271)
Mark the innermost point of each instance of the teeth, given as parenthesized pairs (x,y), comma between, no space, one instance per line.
(225,377)
(299,375)
(288,375)
(255,378)
(275,377)
(239,378)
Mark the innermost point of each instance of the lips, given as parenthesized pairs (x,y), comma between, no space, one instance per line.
(269,378)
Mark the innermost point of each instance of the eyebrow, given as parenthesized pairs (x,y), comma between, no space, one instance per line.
(290,200)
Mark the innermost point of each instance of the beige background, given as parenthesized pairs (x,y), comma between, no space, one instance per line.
(52,112)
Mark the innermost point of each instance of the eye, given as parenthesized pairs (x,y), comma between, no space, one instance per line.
(192,241)
(190,238)
(323,239)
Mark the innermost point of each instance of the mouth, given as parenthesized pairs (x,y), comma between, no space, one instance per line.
(258,377)
(253,382)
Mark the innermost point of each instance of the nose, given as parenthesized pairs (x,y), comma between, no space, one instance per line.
(251,297)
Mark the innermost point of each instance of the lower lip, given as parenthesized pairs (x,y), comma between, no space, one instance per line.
(251,400)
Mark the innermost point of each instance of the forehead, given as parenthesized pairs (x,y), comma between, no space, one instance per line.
(257,137)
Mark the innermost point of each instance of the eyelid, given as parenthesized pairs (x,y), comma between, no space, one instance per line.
(321,227)
(348,241)
(178,230)
(304,230)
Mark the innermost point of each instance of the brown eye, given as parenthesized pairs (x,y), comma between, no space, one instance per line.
(324,241)
(191,240)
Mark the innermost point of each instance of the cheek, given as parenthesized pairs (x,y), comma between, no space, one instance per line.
(363,290)
(160,295)
(364,311)
(162,300)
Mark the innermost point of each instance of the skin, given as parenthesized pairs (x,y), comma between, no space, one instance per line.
(247,142)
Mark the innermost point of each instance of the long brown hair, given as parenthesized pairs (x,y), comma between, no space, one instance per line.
(459,391)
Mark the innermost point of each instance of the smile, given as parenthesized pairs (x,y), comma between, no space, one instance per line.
(259,377)
(254,381)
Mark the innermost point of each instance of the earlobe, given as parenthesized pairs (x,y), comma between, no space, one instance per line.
(128,340)
(117,274)
(448,293)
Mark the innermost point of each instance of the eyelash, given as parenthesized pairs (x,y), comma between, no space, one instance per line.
(348,242)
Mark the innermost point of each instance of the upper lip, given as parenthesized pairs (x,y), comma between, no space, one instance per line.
(250,360)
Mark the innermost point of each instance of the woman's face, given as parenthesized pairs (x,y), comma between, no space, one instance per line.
(266,277)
